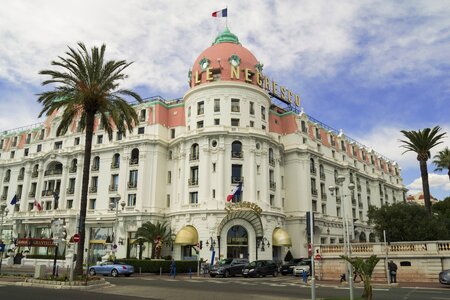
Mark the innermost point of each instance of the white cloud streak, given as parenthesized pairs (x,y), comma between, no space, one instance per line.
(435,181)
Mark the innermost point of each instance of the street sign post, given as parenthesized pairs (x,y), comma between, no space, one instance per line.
(76,238)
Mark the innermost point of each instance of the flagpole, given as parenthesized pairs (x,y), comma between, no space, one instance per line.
(226,18)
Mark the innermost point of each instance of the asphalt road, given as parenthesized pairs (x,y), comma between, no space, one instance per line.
(155,287)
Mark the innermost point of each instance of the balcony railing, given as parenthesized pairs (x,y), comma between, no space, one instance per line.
(273,185)
(73,169)
(93,189)
(360,204)
(132,184)
(20,177)
(354,201)
(70,190)
(338,199)
(193,157)
(32,194)
(313,171)
(53,172)
(3,197)
(235,179)
(237,154)
(134,161)
(113,187)
(322,176)
(192,181)
(314,192)
(272,161)
(358,187)
(95,167)
(323,196)
(34,174)
(115,165)
(47,193)
(6,179)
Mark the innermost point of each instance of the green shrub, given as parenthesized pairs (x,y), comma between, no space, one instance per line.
(153,266)
(45,256)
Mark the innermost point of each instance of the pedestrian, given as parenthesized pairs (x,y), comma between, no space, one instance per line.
(392,267)
(356,274)
(173,269)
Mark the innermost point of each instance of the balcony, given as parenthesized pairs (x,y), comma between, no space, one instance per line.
(235,179)
(193,181)
(113,187)
(368,191)
(322,176)
(53,172)
(93,189)
(142,119)
(134,161)
(31,194)
(193,157)
(3,197)
(70,190)
(132,184)
(360,204)
(353,201)
(358,187)
(95,167)
(237,154)
(6,179)
(20,177)
(115,165)
(273,185)
(314,192)
(338,199)
(313,171)
(47,193)
(323,196)
(73,169)
(272,161)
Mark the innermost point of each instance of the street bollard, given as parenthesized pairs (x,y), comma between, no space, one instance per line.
(160,271)
(140,271)
(190,273)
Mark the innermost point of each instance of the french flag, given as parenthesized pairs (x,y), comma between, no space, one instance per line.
(37,205)
(236,191)
(220,13)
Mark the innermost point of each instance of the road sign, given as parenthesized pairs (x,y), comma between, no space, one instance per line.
(76,238)
(317,257)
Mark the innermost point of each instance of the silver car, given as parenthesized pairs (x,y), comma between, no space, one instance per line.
(444,277)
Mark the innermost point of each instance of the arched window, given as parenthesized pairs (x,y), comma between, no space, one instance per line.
(134,157)
(336,174)
(312,166)
(195,152)
(372,238)
(73,165)
(95,164)
(322,171)
(21,174)
(7,176)
(170,154)
(35,172)
(115,161)
(271,158)
(362,237)
(236,149)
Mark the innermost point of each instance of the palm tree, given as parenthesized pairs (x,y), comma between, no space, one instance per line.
(365,268)
(87,85)
(151,233)
(421,142)
(442,161)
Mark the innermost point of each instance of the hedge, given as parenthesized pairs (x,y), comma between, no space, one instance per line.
(153,266)
(44,256)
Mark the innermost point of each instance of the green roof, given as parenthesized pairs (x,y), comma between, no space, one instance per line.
(226,37)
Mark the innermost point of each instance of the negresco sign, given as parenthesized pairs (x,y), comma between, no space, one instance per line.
(230,207)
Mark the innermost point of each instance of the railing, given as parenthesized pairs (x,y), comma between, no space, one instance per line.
(314,192)
(95,167)
(193,157)
(93,189)
(32,194)
(47,193)
(338,199)
(324,196)
(273,185)
(53,172)
(322,176)
(358,187)
(6,179)
(237,154)
(20,177)
(70,190)
(134,161)
(272,161)
(313,171)
(192,181)
(113,187)
(3,197)
(72,169)
(237,179)
(115,165)
(34,174)
(132,185)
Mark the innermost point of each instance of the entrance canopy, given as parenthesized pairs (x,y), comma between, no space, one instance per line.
(187,235)
(248,215)
(280,237)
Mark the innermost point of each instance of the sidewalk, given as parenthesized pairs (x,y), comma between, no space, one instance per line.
(430,285)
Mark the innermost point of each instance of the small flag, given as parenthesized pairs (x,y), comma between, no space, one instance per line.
(220,13)
(14,200)
(236,191)
(37,205)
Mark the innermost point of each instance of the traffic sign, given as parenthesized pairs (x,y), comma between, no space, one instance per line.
(76,238)
(317,257)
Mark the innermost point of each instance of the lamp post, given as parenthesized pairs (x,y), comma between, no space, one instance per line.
(3,211)
(212,243)
(115,204)
(347,247)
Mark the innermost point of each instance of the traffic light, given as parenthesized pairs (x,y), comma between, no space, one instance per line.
(201,244)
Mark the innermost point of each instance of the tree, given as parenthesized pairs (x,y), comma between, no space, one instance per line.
(154,234)
(365,268)
(442,208)
(407,222)
(442,161)
(87,85)
(421,142)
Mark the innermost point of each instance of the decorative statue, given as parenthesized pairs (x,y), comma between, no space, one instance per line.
(158,246)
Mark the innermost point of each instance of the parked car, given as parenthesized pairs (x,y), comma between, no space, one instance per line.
(444,277)
(303,266)
(111,268)
(228,267)
(260,268)
(287,268)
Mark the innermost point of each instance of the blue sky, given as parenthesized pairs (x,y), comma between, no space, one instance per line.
(370,68)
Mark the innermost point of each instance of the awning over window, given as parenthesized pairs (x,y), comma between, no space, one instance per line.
(187,235)
(280,237)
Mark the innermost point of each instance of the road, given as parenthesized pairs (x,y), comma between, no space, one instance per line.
(269,288)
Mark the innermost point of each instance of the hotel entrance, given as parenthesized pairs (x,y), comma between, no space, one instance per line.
(237,242)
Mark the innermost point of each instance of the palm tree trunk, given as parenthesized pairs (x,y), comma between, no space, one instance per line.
(90,116)
(425,185)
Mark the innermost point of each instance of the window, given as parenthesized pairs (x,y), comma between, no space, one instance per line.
(132,183)
(272,200)
(236,150)
(252,108)
(214,167)
(14,144)
(312,166)
(263,127)
(12,154)
(141,130)
(189,111)
(193,180)
(236,173)
(343,145)
(338,211)
(214,193)
(169,177)
(100,139)
(76,141)
(172,133)
(332,140)
(42,134)
(195,152)
(216,105)
(304,129)
(95,164)
(119,135)
(114,182)
(235,105)
(1,144)
(200,124)
(324,208)
(168,200)
(200,108)
(115,161)
(26,151)
(252,124)
(131,200)
(69,204)
(134,160)
(318,133)
(28,140)
(263,113)
(216,121)
(193,197)
(313,187)
(234,122)
(92,203)
(142,115)
(58,145)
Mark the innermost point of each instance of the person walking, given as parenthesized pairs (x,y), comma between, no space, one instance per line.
(392,271)
(173,269)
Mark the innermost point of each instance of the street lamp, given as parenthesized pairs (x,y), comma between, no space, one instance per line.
(115,204)
(211,242)
(3,211)
(347,248)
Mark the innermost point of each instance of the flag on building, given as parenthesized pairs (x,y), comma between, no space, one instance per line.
(37,205)
(220,13)
(236,192)
(14,200)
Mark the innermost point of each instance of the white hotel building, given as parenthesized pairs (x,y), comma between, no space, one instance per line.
(184,158)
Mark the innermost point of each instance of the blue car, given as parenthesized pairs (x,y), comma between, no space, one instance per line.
(111,268)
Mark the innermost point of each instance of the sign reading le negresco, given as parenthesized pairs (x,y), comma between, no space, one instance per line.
(264,82)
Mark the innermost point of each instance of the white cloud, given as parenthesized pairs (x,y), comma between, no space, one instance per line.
(435,180)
